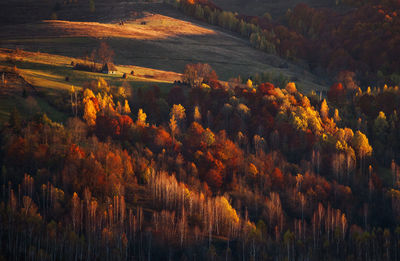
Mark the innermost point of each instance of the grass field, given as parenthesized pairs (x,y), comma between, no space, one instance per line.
(49,71)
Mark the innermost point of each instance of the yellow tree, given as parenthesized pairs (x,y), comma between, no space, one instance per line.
(324,110)
(173,126)
(249,83)
(197,114)
(178,111)
(141,119)
(361,146)
(90,111)
(126,109)
(336,116)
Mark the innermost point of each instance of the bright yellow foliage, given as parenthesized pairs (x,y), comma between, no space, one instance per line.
(249,83)
(178,111)
(89,112)
(230,212)
(126,109)
(141,119)
(361,145)
(324,110)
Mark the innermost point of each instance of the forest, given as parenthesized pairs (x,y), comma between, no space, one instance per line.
(246,169)
(211,171)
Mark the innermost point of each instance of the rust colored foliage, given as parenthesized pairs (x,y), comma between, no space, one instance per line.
(76,152)
(336,93)
(107,126)
(277,178)
(163,138)
(266,88)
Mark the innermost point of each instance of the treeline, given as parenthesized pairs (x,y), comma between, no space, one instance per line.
(204,10)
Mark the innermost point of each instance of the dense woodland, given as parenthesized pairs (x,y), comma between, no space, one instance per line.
(240,170)
(211,170)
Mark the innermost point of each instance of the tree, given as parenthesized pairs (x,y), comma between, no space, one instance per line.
(173,126)
(197,114)
(90,108)
(105,53)
(291,87)
(336,116)
(381,126)
(126,109)
(347,79)
(361,146)
(196,74)
(190,75)
(249,83)
(324,110)
(141,118)
(178,111)
(336,93)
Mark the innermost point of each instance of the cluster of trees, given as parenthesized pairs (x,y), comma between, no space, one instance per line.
(210,170)
(96,59)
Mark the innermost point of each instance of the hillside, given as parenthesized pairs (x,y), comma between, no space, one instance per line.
(155,36)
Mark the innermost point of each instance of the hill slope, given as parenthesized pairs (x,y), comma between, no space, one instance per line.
(154,36)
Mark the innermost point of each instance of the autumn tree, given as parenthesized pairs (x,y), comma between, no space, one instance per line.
(197,114)
(291,87)
(324,110)
(90,107)
(361,146)
(178,111)
(196,74)
(141,118)
(105,53)
(126,109)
